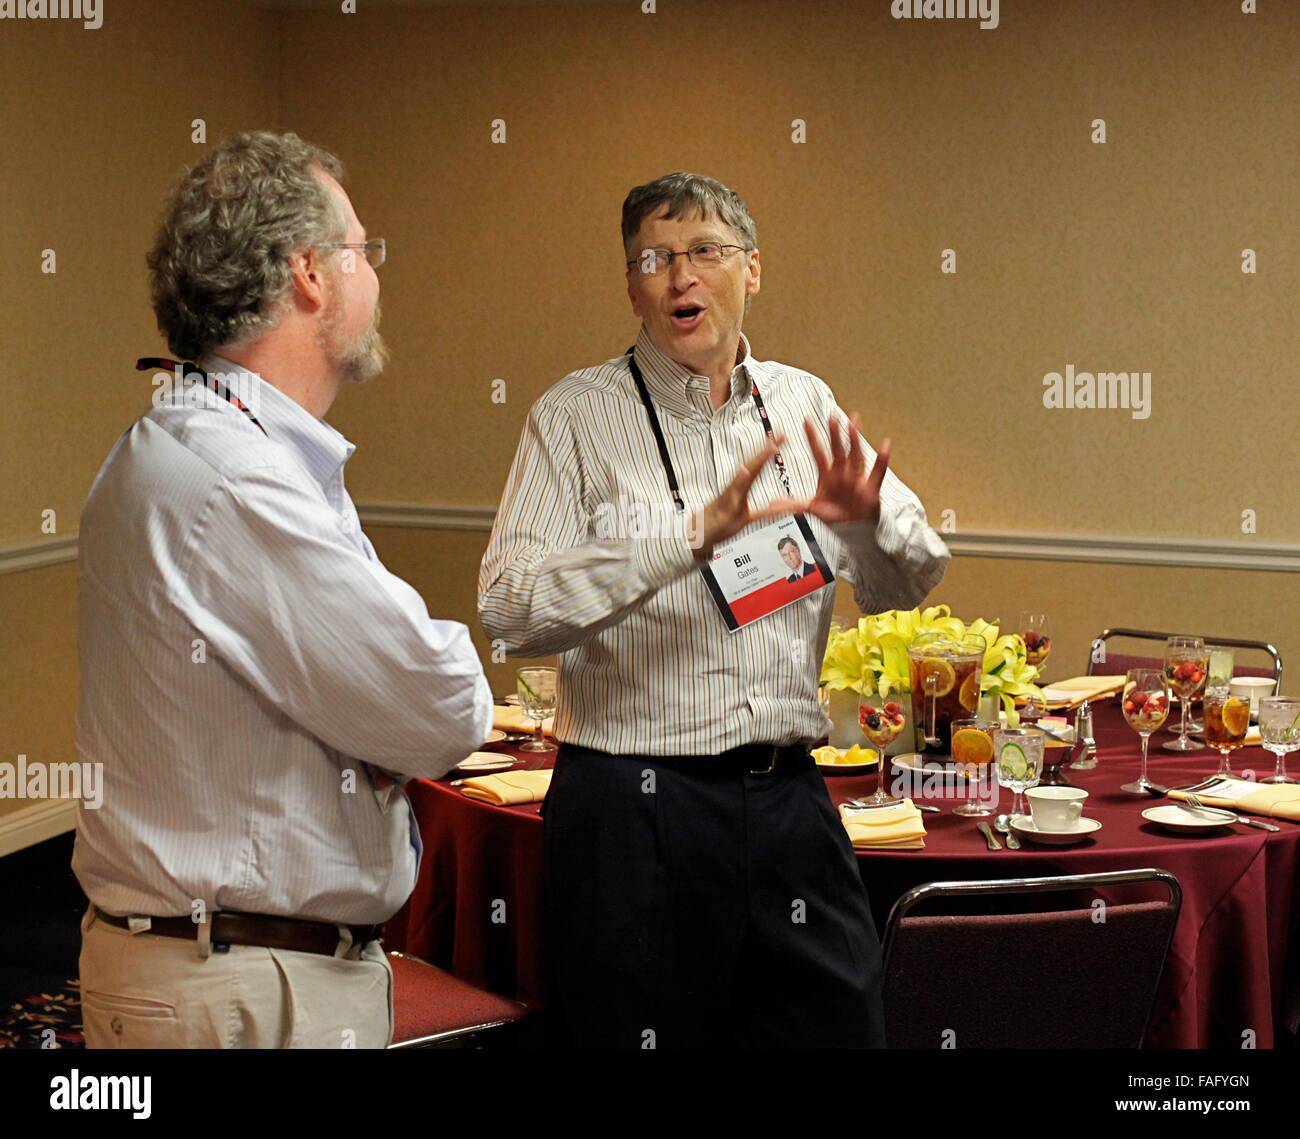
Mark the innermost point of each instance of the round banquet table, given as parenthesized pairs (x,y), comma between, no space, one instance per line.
(1233,971)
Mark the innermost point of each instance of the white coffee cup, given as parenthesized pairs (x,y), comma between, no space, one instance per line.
(1056,808)
(1251,688)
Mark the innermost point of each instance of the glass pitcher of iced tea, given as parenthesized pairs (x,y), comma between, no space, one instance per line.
(945,681)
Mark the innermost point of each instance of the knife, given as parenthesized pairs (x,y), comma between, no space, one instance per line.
(989,837)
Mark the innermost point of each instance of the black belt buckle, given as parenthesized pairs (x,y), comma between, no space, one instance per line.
(774,753)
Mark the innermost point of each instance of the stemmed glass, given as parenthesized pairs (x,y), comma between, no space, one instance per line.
(1146,707)
(1020,760)
(537,697)
(1187,664)
(1279,726)
(1037,634)
(972,752)
(1227,720)
(882,720)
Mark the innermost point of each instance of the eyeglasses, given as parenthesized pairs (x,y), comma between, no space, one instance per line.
(376,249)
(652,262)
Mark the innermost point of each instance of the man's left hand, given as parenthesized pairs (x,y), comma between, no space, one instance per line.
(846,491)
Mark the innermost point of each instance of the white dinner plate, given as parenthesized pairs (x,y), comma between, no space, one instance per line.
(495,736)
(1183,820)
(485,762)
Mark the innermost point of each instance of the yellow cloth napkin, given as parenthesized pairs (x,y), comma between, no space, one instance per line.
(511,718)
(1280,800)
(1072,692)
(509,787)
(897,827)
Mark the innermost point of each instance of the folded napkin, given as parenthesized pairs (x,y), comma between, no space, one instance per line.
(509,787)
(1279,800)
(511,718)
(1073,692)
(896,827)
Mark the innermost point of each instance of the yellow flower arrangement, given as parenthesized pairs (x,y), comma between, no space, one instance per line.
(872,656)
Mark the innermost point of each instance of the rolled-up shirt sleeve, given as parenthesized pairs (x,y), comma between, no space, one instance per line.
(896,562)
(339,645)
(545,585)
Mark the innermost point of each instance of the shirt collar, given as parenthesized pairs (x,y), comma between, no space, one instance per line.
(322,450)
(668,380)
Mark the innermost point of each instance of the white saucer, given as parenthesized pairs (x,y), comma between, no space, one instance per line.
(495,736)
(485,762)
(1024,825)
(1183,820)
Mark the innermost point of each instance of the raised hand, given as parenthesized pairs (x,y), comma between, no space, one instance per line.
(846,490)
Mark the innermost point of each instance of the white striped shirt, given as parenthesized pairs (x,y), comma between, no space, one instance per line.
(647,666)
(242,650)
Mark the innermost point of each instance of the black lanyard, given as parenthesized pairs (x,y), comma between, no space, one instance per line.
(187,368)
(663,446)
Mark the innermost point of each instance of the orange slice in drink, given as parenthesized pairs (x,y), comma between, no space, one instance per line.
(971,747)
(942,671)
(1236,715)
(969,695)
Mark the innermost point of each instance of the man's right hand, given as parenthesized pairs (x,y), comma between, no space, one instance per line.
(729,513)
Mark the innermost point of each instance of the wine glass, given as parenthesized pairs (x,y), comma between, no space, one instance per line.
(1279,727)
(1187,664)
(1020,760)
(537,697)
(882,720)
(972,752)
(1037,634)
(1146,707)
(1227,719)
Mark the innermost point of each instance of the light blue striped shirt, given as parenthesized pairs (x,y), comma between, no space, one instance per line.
(246,659)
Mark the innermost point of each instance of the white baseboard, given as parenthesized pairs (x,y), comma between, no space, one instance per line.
(29,825)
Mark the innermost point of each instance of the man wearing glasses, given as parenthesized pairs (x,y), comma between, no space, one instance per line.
(701,891)
(256,684)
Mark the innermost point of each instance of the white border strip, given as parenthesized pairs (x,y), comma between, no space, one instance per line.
(35,555)
(1258,556)
(29,825)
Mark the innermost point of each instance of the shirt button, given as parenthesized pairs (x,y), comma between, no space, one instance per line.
(116,1025)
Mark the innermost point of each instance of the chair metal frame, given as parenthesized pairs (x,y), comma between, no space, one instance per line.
(963,889)
(436,1038)
(1228,642)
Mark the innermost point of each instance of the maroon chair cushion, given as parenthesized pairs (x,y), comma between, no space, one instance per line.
(1036,980)
(428,1001)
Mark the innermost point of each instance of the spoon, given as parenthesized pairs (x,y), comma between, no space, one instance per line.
(1003,824)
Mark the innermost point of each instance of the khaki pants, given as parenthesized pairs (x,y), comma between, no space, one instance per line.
(143,990)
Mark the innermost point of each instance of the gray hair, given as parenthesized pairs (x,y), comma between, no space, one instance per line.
(219,267)
(688,194)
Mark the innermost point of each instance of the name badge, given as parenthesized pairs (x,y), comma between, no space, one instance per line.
(763,570)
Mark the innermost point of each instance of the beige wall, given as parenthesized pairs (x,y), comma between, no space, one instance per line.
(505,261)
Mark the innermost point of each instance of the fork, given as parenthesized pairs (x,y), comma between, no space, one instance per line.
(1195,803)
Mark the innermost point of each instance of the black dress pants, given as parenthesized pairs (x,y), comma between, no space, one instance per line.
(703,910)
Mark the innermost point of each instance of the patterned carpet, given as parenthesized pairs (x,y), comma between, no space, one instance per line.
(44,1020)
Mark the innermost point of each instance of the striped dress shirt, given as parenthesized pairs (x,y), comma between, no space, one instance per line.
(246,661)
(588,560)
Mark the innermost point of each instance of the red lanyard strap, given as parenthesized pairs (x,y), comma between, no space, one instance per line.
(188,367)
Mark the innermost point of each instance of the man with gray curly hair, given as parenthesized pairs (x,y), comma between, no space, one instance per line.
(255,683)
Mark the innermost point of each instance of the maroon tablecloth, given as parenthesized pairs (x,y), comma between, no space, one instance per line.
(1233,966)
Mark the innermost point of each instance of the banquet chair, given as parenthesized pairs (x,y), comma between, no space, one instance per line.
(1116,663)
(1038,979)
(433,1009)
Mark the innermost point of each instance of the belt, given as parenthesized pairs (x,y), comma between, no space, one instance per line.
(231,928)
(749,759)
